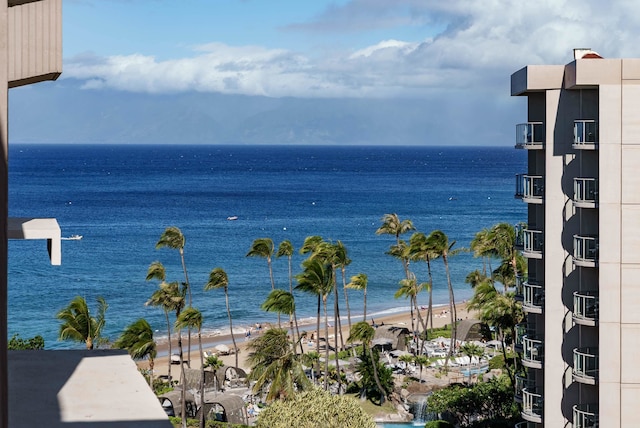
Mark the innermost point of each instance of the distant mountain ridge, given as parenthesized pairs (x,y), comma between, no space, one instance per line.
(62,112)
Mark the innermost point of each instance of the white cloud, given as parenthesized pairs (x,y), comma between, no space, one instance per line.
(479,45)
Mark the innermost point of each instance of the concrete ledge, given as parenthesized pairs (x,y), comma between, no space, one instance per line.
(99,388)
(38,228)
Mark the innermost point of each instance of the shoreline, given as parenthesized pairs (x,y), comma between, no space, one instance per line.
(440,319)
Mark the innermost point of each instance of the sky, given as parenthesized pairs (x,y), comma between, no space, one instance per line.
(451,60)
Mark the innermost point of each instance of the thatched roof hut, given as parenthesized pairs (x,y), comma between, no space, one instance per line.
(472,329)
(392,336)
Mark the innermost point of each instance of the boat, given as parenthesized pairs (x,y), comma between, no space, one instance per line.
(73,238)
(232,217)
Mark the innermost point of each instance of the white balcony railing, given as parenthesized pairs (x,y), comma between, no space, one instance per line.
(585,307)
(530,241)
(585,134)
(585,192)
(522,382)
(532,352)
(530,135)
(530,188)
(585,250)
(533,297)
(532,405)
(585,416)
(585,365)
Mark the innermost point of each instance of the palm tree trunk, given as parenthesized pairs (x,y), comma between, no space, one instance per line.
(183,390)
(335,337)
(346,299)
(151,366)
(364,317)
(273,284)
(166,315)
(186,278)
(326,344)
(201,386)
(375,376)
(452,310)
(318,327)
(233,339)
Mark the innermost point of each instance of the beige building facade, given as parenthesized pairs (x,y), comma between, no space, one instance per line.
(581,297)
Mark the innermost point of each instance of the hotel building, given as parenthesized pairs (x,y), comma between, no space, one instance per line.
(580,341)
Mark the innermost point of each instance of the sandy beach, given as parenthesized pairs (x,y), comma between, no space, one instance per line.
(441,318)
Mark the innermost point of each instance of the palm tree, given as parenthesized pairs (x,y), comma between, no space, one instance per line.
(274,363)
(286,249)
(137,339)
(443,248)
(77,323)
(170,299)
(406,359)
(310,244)
(471,350)
(422,248)
(342,260)
(421,361)
(410,288)
(363,332)
(263,247)
(502,240)
(317,278)
(481,247)
(191,318)
(173,238)
(282,302)
(214,363)
(359,282)
(218,279)
(392,225)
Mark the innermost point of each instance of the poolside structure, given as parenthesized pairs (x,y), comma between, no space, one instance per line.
(53,388)
(582,242)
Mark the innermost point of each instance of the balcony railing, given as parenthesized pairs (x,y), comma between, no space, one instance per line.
(532,405)
(533,297)
(585,307)
(532,352)
(585,416)
(530,135)
(529,241)
(585,134)
(585,365)
(585,250)
(585,192)
(521,331)
(530,188)
(522,382)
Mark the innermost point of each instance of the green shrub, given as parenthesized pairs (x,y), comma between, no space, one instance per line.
(438,424)
(315,409)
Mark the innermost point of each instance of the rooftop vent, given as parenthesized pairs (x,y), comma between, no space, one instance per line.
(585,53)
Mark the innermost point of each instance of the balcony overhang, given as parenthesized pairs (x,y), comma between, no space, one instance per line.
(38,228)
(80,388)
(34,51)
(536,78)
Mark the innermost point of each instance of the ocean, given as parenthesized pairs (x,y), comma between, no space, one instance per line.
(121,198)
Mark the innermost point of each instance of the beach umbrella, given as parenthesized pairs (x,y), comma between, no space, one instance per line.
(222,348)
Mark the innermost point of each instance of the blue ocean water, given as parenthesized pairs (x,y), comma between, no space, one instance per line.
(122,197)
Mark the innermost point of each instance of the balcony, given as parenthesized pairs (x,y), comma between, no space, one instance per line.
(585,365)
(529,241)
(533,297)
(585,308)
(530,136)
(585,134)
(585,192)
(521,331)
(532,405)
(585,250)
(519,291)
(521,383)
(529,188)
(585,416)
(532,352)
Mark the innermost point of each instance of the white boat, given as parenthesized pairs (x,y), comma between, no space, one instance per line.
(73,238)
(232,217)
